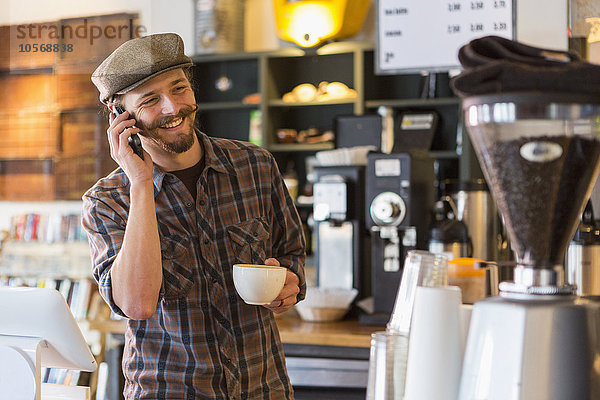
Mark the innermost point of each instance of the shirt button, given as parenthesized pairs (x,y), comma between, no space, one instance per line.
(188,204)
(201,202)
(206,241)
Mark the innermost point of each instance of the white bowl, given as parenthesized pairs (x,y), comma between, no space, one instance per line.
(325,304)
(258,284)
(321,314)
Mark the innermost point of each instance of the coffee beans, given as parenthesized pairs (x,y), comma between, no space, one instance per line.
(540,185)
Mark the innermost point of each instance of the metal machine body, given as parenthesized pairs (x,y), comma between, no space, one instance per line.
(540,153)
(342,246)
(399,196)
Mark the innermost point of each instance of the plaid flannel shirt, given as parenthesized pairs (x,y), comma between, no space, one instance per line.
(203,341)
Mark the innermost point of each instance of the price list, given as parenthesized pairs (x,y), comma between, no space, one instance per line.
(425,35)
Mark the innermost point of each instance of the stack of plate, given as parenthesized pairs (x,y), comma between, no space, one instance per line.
(344,156)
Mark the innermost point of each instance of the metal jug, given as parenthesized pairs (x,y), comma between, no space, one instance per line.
(583,255)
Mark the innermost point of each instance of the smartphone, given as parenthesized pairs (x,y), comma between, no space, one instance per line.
(134,140)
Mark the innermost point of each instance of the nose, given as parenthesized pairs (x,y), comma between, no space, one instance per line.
(169,106)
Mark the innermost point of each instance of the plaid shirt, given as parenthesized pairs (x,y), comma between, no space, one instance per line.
(203,341)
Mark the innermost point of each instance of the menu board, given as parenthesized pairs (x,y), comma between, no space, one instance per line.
(425,35)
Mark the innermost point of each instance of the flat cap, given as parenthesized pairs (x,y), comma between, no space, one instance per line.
(138,60)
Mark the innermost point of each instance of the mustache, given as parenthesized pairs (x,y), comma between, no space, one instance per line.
(184,112)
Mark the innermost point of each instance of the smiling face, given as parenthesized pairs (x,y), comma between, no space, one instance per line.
(164,109)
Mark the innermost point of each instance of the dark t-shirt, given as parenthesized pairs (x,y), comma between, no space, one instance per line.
(189,176)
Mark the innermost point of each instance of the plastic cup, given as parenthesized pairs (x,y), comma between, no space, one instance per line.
(421,268)
(387,366)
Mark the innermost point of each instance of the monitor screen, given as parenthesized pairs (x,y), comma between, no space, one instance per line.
(44,313)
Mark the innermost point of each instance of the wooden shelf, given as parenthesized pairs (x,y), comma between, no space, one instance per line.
(281,103)
(282,147)
(225,105)
(412,102)
(285,52)
(27,70)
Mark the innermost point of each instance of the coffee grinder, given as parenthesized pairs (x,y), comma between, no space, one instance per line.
(537,339)
(399,197)
(341,238)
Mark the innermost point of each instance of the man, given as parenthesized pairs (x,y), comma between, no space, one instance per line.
(165,231)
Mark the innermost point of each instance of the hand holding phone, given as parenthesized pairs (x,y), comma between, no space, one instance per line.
(134,140)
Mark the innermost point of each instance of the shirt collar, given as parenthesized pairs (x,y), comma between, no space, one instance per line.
(214,158)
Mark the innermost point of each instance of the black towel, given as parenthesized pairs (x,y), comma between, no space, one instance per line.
(497,65)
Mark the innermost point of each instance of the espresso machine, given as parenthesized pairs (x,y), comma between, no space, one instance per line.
(399,197)
(537,339)
(342,245)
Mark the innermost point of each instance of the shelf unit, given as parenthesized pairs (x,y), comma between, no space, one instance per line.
(269,75)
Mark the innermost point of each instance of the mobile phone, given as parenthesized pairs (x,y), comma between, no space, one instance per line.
(134,140)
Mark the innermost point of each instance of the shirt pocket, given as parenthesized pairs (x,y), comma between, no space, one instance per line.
(249,241)
(177,263)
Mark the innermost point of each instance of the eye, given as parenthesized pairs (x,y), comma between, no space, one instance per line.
(179,89)
(149,101)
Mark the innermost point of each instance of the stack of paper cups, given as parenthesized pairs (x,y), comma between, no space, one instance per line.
(435,346)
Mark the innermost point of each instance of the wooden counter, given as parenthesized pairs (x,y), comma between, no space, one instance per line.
(293,330)
(340,333)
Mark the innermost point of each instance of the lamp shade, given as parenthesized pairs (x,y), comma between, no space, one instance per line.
(310,22)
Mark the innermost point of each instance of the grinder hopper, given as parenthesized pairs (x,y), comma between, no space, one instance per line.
(540,155)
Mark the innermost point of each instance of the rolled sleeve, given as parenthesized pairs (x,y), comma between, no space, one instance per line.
(105,230)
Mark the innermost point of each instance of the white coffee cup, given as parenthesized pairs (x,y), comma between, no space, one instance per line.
(258,284)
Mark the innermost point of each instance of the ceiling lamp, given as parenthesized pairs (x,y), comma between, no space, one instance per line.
(311,22)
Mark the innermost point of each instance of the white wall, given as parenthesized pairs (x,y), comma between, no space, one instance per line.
(155,15)
(543,23)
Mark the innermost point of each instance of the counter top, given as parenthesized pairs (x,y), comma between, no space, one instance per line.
(339,333)
(293,330)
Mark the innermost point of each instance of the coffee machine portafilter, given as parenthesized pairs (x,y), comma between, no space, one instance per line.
(540,155)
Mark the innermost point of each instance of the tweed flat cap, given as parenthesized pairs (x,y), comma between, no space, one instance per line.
(138,60)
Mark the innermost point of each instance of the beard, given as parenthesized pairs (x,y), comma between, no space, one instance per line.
(182,142)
